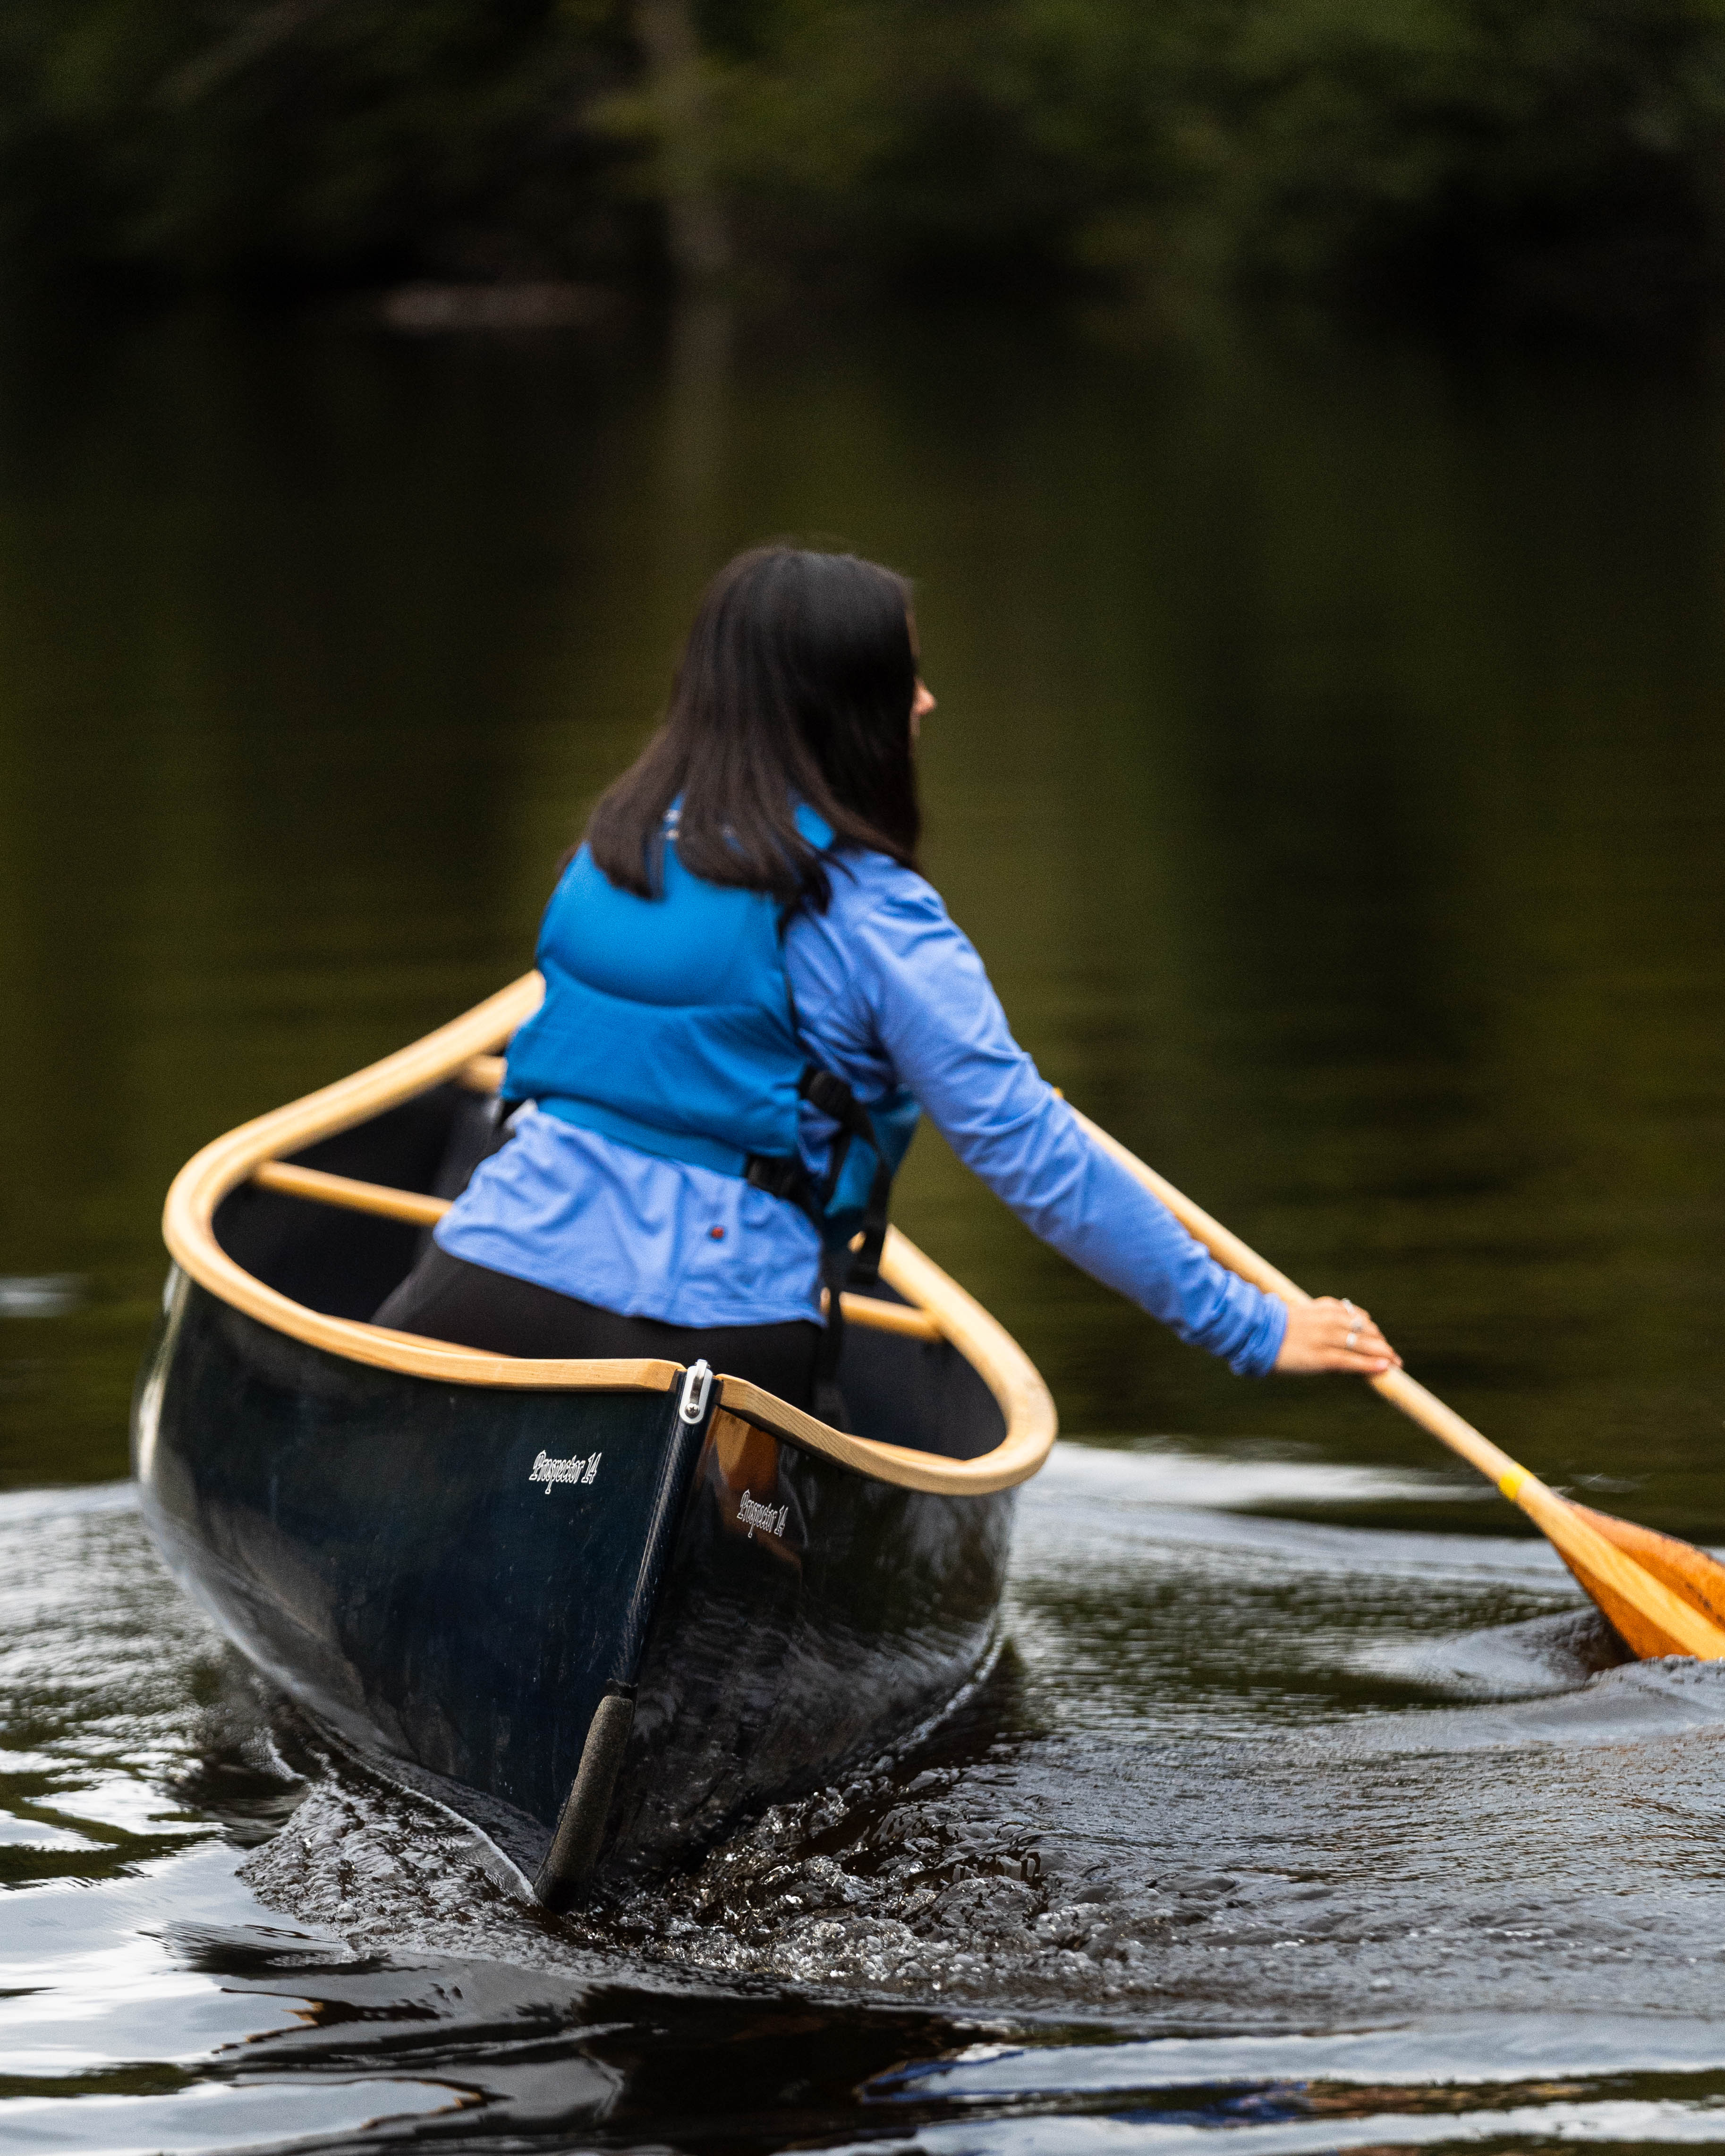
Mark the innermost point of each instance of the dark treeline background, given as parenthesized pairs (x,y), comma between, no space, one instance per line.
(1546,154)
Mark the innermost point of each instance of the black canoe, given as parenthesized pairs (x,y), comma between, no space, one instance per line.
(602,1609)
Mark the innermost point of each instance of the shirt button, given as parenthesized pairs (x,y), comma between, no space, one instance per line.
(717,1233)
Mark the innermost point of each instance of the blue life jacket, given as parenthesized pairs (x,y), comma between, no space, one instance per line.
(669,1024)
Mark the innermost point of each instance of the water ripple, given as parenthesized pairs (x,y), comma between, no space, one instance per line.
(1243,1798)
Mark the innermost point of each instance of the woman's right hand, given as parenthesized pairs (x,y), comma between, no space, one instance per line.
(1334,1334)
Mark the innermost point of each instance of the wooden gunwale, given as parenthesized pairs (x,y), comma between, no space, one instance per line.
(465,1050)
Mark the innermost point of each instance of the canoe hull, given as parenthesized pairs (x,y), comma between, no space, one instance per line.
(433,1571)
(781,1649)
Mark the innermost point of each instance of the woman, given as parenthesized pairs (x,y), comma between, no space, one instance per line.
(750,990)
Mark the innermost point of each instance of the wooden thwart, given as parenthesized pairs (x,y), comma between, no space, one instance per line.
(1663,1596)
(352,1196)
(414,1205)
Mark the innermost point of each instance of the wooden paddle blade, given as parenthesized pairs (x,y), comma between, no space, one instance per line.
(1644,1637)
(1650,1616)
(1688,1571)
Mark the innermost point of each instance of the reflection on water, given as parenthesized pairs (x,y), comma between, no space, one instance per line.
(1329,765)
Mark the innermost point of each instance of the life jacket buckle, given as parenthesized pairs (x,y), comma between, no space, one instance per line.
(826,1090)
(779,1177)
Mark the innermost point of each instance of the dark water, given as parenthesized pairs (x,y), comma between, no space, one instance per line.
(1329,764)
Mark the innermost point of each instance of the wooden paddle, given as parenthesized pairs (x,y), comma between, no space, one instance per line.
(1662,1596)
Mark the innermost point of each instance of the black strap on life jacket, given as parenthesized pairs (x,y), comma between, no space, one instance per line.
(788,1178)
(829,1399)
(840,1266)
(826,1090)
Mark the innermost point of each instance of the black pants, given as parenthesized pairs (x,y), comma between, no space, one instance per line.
(445,1298)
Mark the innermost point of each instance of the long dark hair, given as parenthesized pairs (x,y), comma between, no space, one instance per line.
(796,684)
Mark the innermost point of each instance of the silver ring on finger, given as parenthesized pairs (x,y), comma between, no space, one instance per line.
(1351,1338)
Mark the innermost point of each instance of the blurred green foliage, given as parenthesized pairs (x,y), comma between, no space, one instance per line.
(1546,146)
(305,138)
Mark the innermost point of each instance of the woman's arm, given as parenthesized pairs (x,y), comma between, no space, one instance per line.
(885,979)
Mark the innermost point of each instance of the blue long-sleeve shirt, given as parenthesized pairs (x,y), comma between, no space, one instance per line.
(888,991)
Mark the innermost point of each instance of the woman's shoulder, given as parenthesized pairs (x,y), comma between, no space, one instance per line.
(871,887)
(863,882)
(884,928)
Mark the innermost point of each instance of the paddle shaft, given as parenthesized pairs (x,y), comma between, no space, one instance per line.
(1581,1547)
(1226,1248)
